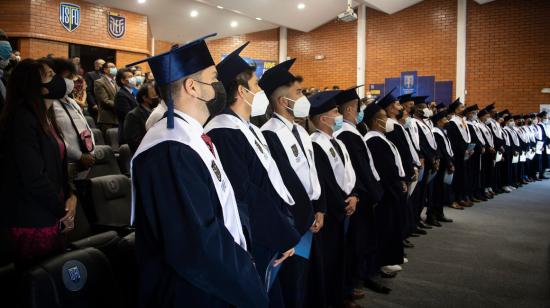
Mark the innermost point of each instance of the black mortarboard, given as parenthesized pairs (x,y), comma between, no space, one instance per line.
(490,107)
(371,110)
(405,97)
(179,62)
(482,112)
(441,106)
(454,105)
(386,100)
(323,102)
(277,76)
(347,95)
(231,66)
(518,117)
(542,114)
(471,108)
(438,116)
(419,99)
(508,117)
(505,111)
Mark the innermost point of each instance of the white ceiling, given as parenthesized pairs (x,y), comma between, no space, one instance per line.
(171,21)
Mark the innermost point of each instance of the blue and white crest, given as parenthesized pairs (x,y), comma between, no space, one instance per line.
(69,16)
(74,275)
(116,25)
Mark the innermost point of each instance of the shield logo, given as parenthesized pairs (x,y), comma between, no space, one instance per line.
(294,150)
(332,152)
(408,81)
(117,25)
(74,275)
(216,171)
(69,16)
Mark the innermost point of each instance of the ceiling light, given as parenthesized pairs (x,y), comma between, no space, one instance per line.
(301,6)
(258,18)
(141,1)
(220,7)
(234,24)
(194,13)
(238,12)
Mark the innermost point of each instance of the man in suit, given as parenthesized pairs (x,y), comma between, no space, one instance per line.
(90,78)
(124,99)
(134,123)
(105,89)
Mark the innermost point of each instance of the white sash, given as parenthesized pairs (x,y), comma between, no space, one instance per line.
(303,165)
(522,134)
(414,154)
(464,131)
(260,148)
(540,128)
(440,132)
(506,138)
(347,127)
(546,129)
(495,127)
(189,132)
(533,133)
(478,132)
(396,157)
(513,134)
(487,133)
(427,132)
(413,129)
(342,170)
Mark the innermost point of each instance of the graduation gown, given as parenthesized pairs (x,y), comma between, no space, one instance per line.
(488,158)
(362,233)
(460,139)
(189,244)
(388,226)
(475,176)
(442,192)
(269,224)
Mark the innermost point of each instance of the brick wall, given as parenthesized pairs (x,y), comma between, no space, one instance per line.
(264,45)
(37,48)
(337,42)
(162,46)
(420,38)
(508,53)
(126,57)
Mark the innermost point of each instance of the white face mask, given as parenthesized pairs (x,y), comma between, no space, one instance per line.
(132,81)
(70,86)
(536,121)
(511,124)
(407,122)
(545,121)
(301,107)
(427,112)
(259,103)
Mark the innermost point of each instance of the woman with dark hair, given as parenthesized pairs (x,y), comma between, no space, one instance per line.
(38,204)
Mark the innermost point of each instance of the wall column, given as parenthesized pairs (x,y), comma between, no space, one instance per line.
(361,47)
(283,44)
(461,51)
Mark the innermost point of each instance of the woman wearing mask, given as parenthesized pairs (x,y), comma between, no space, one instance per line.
(38,202)
(72,124)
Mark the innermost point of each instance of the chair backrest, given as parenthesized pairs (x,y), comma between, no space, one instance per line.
(111,137)
(98,136)
(91,122)
(111,198)
(81,225)
(80,278)
(105,162)
(124,158)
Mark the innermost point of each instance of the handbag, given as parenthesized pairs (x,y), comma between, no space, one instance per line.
(84,138)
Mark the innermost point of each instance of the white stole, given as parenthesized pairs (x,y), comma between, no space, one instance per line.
(260,148)
(478,132)
(189,132)
(303,165)
(495,127)
(427,132)
(396,156)
(513,134)
(415,137)
(347,127)
(464,131)
(487,133)
(441,133)
(412,149)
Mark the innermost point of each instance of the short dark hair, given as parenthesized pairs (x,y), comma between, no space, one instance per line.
(240,80)
(105,65)
(144,91)
(120,76)
(61,65)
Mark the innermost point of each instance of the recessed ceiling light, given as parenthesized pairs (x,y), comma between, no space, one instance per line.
(234,24)
(220,7)
(238,12)
(141,1)
(258,18)
(301,6)
(194,13)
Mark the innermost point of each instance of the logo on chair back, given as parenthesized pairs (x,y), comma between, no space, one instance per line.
(113,186)
(117,25)
(74,275)
(99,154)
(69,16)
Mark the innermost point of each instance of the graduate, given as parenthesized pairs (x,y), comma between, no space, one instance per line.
(475,177)
(424,141)
(514,150)
(442,186)
(524,147)
(190,245)
(387,162)
(290,146)
(362,230)
(459,135)
(543,140)
(395,132)
(259,188)
(339,196)
(498,141)
(488,157)
(506,165)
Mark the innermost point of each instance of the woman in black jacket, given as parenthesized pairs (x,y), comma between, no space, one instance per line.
(37,203)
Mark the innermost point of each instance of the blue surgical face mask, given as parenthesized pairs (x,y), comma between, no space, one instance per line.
(5,50)
(360,116)
(112,71)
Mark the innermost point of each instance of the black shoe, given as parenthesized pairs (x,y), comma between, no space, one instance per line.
(420,231)
(376,287)
(433,222)
(388,275)
(407,244)
(444,219)
(423,226)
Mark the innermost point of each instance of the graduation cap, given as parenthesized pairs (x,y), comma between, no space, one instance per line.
(441,106)
(371,110)
(508,117)
(454,105)
(179,62)
(471,108)
(490,107)
(323,102)
(438,116)
(231,66)
(387,100)
(533,115)
(347,95)
(505,111)
(277,76)
(518,117)
(405,97)
(542,114)
(419,100)
(482,112)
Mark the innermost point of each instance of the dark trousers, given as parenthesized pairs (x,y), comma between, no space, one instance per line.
(293,281)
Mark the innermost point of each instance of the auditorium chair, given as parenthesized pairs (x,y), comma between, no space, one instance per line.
(90,121)
(81,278)
(98,136)
(105,162)
(109,200)
(111,137)
(124,158)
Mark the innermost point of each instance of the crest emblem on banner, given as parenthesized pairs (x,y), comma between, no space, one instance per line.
(116,25)
(69,16)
